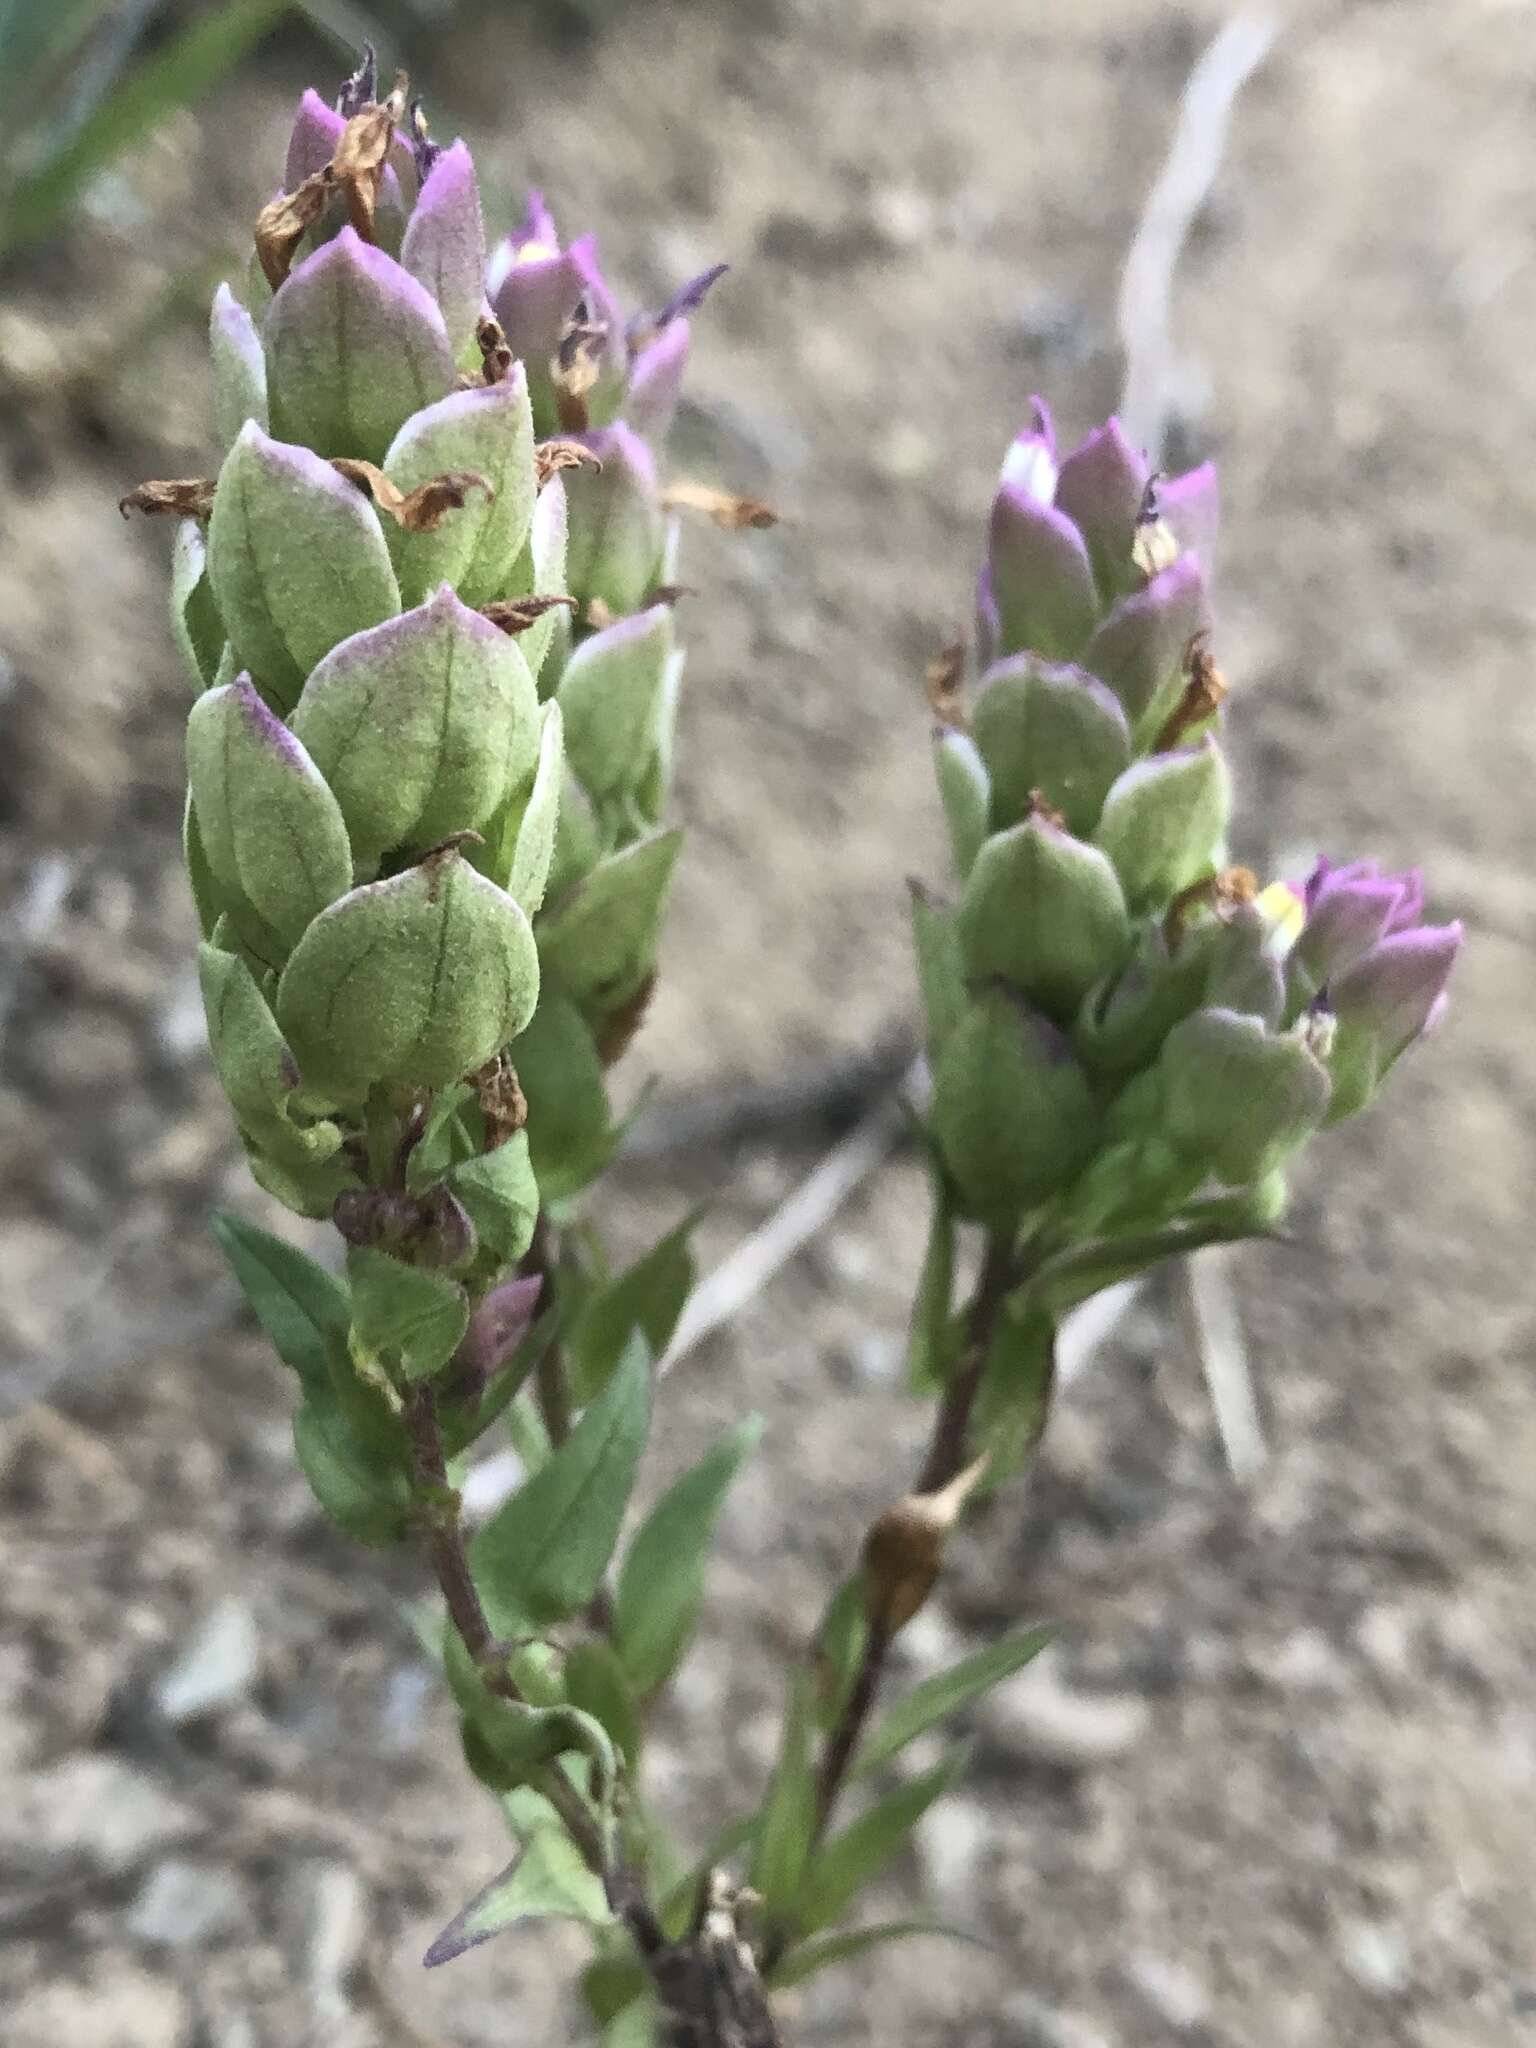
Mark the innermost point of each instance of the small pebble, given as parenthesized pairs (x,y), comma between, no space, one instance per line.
(1035,1714)
(217,1665)
(1171,1989)
(1376,1955)
(186,1905)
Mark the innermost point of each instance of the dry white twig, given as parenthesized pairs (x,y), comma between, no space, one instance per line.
(723,1293)
(1215,1327)
(1181,189)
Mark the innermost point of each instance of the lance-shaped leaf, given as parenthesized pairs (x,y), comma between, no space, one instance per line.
(788,1823)
(661,1587)
(256,1070)
(206,898)
(271,829)
(946,1693)
(1044,912)
(596,940)
(500,1193)
(616,524)
(303,1308)
(845,1864)
(1139,650)
(965,792)
(486,432)
(930,1346)
(610,697)
(808,1958)
(599,1689)
(444,245)
(1164,823)
(647,1297)
(418,979)
(419,725)
(532,818)
(1049,728)
(195,623)
(541,1558)
(354,346)
(1012,1112)
(239,367)
(408,1318)
(296,559)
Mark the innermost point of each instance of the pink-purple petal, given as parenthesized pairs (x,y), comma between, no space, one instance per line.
(1042,583)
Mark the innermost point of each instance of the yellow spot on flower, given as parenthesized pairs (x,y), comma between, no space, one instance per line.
(1285,912)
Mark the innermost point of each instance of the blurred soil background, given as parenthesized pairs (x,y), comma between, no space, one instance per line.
(1277,1783)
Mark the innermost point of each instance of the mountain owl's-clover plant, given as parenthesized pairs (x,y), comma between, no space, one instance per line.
(427,612)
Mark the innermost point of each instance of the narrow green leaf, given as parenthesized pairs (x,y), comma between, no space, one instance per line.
(405,1315)
(647,1297)
(502,1197)
(947,1692)
(173,78)
(542,1557)
(928,1339)
(809,1957)
(662,1583)
(303,1308)
(840,1642)
(610,1984)
(846,1864)
(789,1812)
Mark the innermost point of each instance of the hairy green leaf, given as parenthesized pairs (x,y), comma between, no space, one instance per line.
(647,1298)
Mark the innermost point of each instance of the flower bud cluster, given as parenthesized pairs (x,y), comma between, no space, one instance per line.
(1116,1018)
(434,652)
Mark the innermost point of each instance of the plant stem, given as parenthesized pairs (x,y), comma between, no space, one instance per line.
(450,1563)
(944,1459)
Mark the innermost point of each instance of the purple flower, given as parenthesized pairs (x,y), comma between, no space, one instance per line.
(1348,909)
(499,1323)
(1091,559)
(1371,971)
